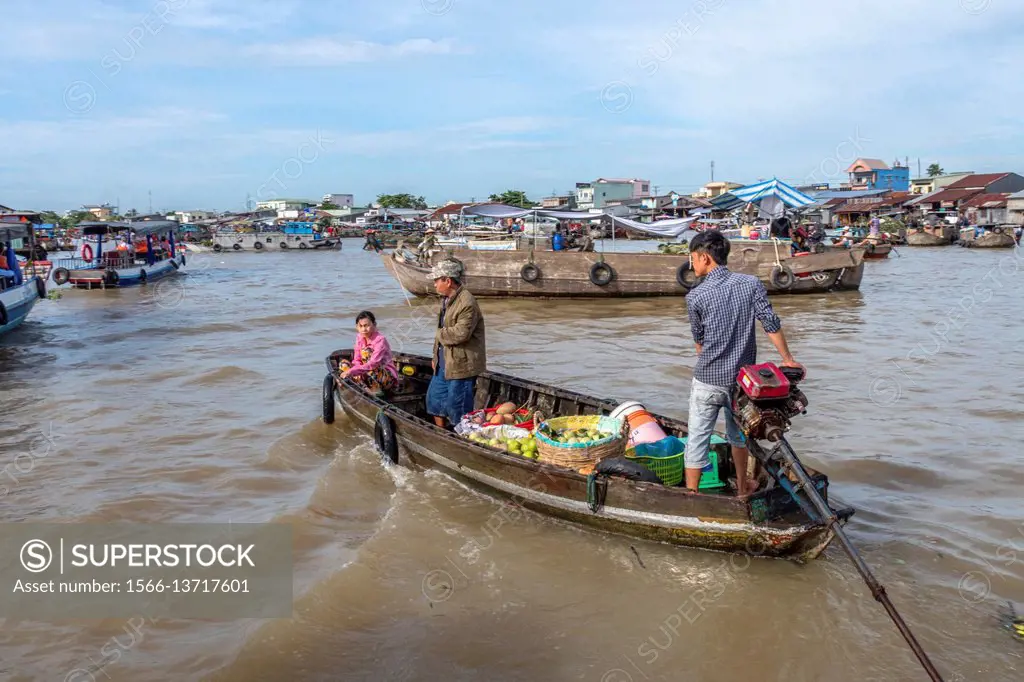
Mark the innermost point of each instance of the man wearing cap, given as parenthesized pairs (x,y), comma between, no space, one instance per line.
(460,351)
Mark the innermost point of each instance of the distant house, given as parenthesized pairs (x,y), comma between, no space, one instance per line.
(987,209)
(566,202)
(605,190)
(188,217)
(922,185)
(99,211)
(1015,208)
(284,205)
(957,194)
(876,174)
(339,200)
(584,196)
(863,208)
(716,189)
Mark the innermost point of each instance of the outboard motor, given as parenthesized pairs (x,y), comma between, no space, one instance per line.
(766,398)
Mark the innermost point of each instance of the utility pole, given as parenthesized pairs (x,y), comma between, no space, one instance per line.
(712,171)
(919,166)
(150,202)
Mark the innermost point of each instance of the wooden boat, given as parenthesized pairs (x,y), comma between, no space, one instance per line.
(766,523)
(994,237)
(879,251)
(940,235)
(94,268)
(578,274)
(19,289)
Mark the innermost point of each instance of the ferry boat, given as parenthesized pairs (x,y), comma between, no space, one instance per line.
(19,291)
(293,235)
(121,267)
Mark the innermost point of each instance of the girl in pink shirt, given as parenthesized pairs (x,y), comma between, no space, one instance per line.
(372,364)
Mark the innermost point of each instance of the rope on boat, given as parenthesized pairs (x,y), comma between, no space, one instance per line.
(778,262)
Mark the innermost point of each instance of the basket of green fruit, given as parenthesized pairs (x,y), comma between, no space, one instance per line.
(580,440)
(511,439)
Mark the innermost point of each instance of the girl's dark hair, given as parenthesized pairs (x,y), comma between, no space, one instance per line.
(366,315)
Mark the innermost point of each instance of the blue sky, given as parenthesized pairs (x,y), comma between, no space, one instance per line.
(205,101)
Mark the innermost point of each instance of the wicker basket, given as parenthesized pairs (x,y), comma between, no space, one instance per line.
(579,455)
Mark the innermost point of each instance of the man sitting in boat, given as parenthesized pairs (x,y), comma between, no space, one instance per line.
(460,348)
(427,247)
(722,313)
(800,242)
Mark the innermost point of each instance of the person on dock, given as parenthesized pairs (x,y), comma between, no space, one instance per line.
(372,363)
(460,348)
(722,313)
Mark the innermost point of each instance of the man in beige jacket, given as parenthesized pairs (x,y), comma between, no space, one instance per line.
(460,350)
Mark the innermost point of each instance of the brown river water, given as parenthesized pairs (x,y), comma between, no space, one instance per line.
(199,401)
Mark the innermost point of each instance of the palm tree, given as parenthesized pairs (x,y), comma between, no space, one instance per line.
(934,170)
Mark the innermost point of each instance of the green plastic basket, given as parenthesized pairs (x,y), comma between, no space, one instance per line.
(666,459)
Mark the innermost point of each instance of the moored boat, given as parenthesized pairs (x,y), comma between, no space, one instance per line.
(550,274)
(299,236)
(769,522)
(19,291)
(939,235)
(990,237)
(93,268)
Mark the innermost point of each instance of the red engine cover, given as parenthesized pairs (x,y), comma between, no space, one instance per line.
(763,382)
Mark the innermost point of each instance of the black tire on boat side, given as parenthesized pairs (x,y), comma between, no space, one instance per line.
(782,277)
(685,275)
(258,246)
(601,274)
(218,248)
(384,437)
(111,277)
(997,230)
(174,264)
(328,396)
(530,272)
(236,247)
(142,276)
(61,276)
(303,245)
(40,287)
(3,314)
(284,245)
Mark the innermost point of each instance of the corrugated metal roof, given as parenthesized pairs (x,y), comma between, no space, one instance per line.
(979,180)
(987,201)
(949,194)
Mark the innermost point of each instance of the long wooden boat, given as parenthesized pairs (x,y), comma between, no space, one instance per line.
(994,237)
(942,235)
(766,523)
(572,274)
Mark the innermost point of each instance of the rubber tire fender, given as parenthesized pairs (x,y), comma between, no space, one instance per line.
(599,279)
(328,411)
(782,277)
(685,276)
(530,272)
(61,276)
(111,277)
(3,314)
(997,230)
(174,264)
(283,244)
(384,437)
(40,287)
(218,248)
(626,468)
(303,245)
(258,246)
(236,246)
(142,276)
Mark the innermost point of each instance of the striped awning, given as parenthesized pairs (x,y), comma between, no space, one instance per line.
(773,188)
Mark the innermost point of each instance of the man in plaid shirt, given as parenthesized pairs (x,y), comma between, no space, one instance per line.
(722,312)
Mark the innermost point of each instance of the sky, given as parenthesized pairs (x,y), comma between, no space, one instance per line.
(200,104)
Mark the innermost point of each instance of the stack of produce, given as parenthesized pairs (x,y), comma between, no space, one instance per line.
(512,440)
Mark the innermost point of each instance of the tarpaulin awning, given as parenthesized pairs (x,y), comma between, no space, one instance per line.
(673,229)
(776,188)
(501,211)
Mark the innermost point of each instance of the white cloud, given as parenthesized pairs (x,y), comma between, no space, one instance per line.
(322,51)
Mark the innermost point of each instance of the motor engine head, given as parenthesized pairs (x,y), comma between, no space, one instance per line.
(766,398)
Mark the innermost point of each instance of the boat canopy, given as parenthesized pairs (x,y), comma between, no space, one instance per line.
(142,229)
(772,197)
(11,230)
(677,228)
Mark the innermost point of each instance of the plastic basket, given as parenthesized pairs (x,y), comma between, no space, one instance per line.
(666,458)
(580,454)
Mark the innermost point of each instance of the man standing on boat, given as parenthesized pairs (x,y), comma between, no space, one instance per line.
(723,309)
(460,349)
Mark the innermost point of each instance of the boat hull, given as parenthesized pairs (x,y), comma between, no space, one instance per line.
(271,241)
(567,274)
(718,522)
(97,278)
(988,240)
(17,304)
(880,252)
(918,237)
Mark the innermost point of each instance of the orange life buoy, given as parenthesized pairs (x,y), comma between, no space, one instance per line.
(87,253)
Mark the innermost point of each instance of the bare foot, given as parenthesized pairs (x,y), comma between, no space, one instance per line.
(751,488)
